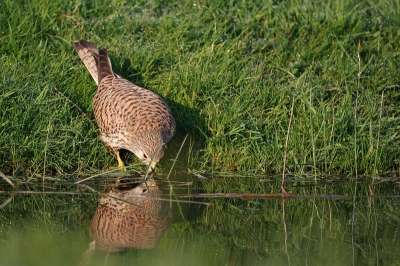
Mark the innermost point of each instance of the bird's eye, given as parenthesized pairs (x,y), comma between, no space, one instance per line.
(145,156)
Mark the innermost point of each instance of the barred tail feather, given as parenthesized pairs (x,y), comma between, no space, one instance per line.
(104,67)
(89,54)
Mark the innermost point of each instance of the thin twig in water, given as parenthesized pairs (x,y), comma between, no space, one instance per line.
(169,173)
(176,158)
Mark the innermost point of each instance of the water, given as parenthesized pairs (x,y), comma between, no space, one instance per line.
(209,221)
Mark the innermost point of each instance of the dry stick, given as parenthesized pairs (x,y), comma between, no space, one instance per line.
(171,191)
(6,179)
(176,158)
(286,146)
(5,203)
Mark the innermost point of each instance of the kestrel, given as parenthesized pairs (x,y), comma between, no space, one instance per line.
(129,117)
(130,218)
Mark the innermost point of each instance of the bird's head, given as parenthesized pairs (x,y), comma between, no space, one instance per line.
(150,151)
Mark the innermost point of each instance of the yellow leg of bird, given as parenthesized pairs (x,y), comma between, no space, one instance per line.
(120,162)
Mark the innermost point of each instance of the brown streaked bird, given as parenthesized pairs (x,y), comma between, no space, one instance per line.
(134,218)
(128,218)
(129,117)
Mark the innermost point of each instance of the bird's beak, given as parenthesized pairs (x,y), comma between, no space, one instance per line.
(150,182)
(152,167)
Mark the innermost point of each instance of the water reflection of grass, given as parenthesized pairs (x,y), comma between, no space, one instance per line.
(53,229)
(229,71)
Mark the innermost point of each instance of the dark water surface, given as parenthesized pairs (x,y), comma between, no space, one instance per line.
(187,220)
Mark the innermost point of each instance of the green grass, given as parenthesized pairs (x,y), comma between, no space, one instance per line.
(229,71)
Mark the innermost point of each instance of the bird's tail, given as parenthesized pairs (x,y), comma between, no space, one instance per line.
(89,54)
(105,68)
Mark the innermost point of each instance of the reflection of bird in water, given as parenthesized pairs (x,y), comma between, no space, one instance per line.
(129,117)
(134,218)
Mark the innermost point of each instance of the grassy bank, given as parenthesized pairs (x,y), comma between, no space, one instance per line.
(254,83)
